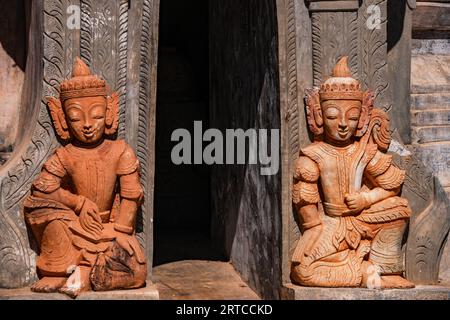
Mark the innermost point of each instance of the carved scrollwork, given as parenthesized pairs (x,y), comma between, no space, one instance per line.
(16,256)
(291,52)
(427,237)
(334,34)
(144,224)
(373,56)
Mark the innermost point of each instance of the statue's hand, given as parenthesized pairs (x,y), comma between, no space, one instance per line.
(90,219)
(356,202)
(131,245)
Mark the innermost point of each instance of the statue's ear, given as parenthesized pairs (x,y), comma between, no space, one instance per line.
(314,111)
(59,120)
(366,113)
(112,113)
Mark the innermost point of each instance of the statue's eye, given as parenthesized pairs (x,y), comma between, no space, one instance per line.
(98,117)
(353,118)
(74,119)
(331,117)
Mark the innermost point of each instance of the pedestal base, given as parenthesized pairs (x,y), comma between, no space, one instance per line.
(148,293)
(420,292)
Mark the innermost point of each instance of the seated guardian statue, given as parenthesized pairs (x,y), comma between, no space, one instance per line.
(82,208)
(346,192)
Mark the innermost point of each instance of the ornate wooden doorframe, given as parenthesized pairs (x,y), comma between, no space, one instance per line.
(313,34)
(119,40)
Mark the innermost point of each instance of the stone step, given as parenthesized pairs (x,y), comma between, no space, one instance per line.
(430,117)
(444,180)
(430,46)
(420,292)
(424,134)
(430,73)
(430,88)
(149,292)
(426,101)
(447,191)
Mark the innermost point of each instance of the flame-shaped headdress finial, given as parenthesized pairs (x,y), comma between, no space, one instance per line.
(82,83)
(341,85)
(80,69)
(341,68)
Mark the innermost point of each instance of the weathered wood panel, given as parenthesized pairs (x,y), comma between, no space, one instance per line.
(245,94)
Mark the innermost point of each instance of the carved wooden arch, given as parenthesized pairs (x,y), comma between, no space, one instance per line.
(33,144)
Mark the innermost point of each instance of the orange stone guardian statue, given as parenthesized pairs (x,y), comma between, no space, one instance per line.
(83,205)
(346,192)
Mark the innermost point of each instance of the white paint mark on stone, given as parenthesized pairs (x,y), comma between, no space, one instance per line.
(399,148)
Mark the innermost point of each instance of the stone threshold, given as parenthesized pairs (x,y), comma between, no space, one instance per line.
(147,293)
(420,292)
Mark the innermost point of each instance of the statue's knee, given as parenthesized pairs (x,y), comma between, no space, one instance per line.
(140,275)
(57,254)
(295,273)
(116,269)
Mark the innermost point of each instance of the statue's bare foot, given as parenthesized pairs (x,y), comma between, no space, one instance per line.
(78,282)
(395,282)
(371,278)
(48,284)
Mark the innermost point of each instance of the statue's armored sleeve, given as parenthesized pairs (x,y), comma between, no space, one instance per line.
(383,173)
(305,189)
(131,191)
(49,180)
(128,171)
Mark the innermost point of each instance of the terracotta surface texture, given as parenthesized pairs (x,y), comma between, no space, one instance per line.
(346,192)
(83,204)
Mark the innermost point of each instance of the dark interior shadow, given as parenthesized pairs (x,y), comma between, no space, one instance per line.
(14,32)
(395,17)
(182,213)
(14,29)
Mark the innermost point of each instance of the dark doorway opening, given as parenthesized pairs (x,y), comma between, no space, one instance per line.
(182,203)
(218,64)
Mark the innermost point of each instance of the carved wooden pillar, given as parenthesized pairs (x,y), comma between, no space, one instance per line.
(342,27)
(334,34)
(103,44)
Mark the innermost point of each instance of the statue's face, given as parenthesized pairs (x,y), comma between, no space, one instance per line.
(340,119)
(86,118)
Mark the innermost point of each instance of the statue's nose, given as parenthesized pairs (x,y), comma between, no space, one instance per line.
(342,122)
(87,125)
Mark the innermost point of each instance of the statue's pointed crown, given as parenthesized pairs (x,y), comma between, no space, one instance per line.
(82,83)
(341,85)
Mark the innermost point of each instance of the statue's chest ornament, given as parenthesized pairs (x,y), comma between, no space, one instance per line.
(345,161)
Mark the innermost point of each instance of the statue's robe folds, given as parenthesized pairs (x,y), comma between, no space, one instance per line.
(105,175)
(324,175)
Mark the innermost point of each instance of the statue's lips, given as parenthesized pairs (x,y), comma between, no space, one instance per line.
(89,134)
(343,134)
